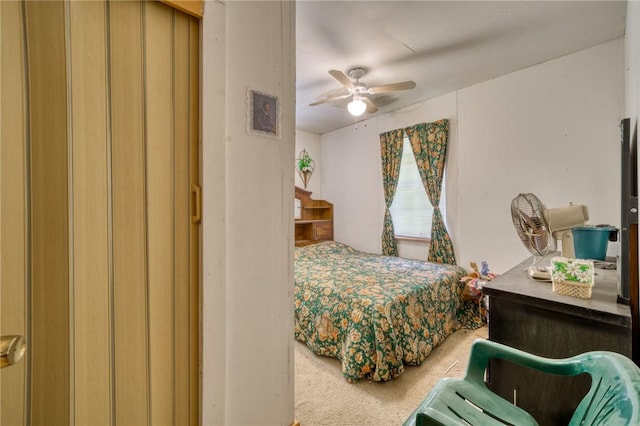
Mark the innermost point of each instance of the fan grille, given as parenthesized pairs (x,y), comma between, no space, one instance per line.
(526,213)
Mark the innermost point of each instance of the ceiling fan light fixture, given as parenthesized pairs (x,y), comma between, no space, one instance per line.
(360,102)
(356,107)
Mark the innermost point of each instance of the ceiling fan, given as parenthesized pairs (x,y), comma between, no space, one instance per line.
(359,91)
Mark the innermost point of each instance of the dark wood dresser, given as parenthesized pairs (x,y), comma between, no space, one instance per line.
(528,315)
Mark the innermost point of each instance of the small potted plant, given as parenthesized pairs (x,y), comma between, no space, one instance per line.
(305,167)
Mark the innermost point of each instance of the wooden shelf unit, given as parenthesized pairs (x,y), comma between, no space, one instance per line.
(316,219)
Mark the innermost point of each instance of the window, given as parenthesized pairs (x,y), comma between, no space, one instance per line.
(411,210)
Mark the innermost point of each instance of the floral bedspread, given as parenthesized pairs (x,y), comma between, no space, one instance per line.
(375,313)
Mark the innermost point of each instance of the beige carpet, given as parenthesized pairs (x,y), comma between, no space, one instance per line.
(323,397)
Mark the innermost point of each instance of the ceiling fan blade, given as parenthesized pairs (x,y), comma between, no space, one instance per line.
(403,85)
(342,78)
(335,92)
(329,99)
(371,108)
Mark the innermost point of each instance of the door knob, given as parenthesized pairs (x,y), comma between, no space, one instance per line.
(11,350)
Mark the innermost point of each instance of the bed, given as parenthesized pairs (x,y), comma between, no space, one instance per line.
(374,313)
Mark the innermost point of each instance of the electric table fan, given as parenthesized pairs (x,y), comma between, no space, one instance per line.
(531,227)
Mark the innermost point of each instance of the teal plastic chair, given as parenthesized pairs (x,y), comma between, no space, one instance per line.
(613,399)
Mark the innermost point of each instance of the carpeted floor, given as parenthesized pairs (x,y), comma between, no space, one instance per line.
(323,397)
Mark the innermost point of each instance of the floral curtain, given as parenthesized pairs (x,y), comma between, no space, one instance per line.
(391,152)
(429,145)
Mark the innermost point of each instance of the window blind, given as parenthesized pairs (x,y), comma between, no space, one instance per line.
(411,209)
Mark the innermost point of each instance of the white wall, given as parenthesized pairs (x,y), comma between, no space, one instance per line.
(310,142)
(351,180)
(632,60)
(551,129)
(247,293)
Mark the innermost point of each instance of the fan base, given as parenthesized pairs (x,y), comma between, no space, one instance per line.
(539,273)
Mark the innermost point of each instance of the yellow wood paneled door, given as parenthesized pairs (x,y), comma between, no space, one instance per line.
(13,208)
(99,229)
